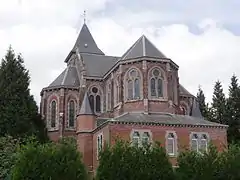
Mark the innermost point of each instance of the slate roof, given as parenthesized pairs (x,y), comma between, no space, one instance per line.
(165,119)
(195,110)
(98,65)
(68,77)
(85,43)
(142,48)
(85,106)
(184,92)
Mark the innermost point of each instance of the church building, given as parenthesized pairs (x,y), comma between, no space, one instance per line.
(137,97)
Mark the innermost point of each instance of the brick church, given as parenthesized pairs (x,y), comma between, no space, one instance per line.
(136,96)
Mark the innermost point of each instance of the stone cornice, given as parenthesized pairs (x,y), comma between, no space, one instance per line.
(112,121)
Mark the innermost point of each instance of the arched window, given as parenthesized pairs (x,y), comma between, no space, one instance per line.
(71,114)
(95,99)
(99,144)
(171,145)
(109,99)
(117,90)
(203,143)
(53,113)
(156,83)
(145,138)
(194,142)
(133,84)
(136,138)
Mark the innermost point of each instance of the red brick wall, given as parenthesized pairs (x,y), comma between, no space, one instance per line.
(85,146)
(106,138)
(217,135)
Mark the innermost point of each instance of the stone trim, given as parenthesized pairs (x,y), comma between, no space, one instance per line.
(141,132)
(98,136)
(98,93)
(48,113)
(165,84)
(175,153)
(125,94)
(199,135)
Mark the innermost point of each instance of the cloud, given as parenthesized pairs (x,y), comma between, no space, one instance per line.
(44,32)
(203,58)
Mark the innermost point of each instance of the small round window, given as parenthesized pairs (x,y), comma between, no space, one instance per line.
(94,90)
(156,72)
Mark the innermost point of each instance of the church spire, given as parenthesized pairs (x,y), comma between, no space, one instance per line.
(85,43)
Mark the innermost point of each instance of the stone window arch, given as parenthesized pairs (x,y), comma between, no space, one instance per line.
(71,113)
(133,84)
(95,98)
(194,142)
(171,143)
(109,96)
(203,144)
(156,83)
(53,114)
(136,138)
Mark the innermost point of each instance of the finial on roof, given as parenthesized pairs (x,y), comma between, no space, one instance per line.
(86,107)
(84,16)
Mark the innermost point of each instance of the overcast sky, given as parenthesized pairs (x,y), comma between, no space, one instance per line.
(201,36)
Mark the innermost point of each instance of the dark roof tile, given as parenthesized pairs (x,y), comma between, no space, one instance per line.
(142,48)
(85,106)
(85,43)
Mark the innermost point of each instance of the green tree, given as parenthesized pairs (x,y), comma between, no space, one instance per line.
(229,163)
(202,104)
(198,166)
(218,108)
(233,110)
(8,147)
(18,110)
(49,161)
(123,161)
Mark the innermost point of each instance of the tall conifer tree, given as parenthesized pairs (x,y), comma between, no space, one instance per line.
(18,110)
(202,104)
(233,110)
(218,108)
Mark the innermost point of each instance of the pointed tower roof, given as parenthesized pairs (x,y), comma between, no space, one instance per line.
(86,107)
(195,111)
(85,43)
(142,47)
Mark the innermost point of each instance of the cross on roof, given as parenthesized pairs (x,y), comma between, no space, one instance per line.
(84,16)
(79,21)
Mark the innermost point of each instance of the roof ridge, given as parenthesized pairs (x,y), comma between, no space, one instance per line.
(144,45)
(131,48)
(65,75)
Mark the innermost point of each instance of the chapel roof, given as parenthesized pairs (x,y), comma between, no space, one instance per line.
(164,119)
(143,47)
(85,43)
(68,77)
